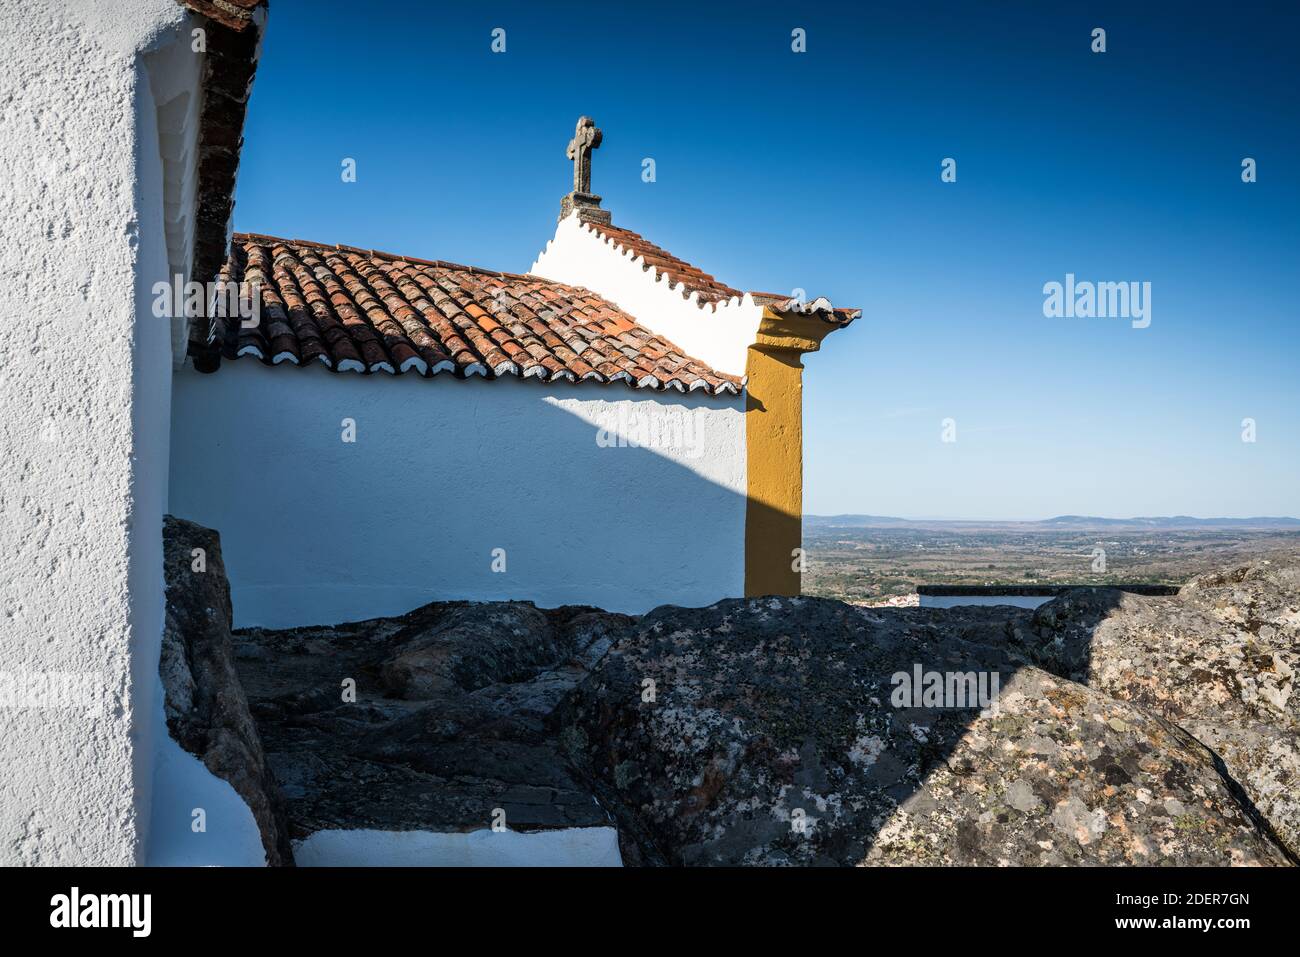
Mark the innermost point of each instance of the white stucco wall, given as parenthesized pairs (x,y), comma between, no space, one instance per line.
(178,783)
(316,530)
(84,383)
(99,134)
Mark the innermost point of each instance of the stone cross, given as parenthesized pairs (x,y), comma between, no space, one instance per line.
(586,137)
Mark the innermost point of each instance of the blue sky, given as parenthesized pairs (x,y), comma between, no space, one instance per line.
(821,171)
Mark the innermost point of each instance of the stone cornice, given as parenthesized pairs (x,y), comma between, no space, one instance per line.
(791,332)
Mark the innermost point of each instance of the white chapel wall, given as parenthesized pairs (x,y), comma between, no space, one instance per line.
(316,530)
(84,385)
(171,783)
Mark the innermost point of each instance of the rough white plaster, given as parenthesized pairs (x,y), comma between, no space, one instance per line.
(315,530)
(716,333)
(566,847)
(84,387)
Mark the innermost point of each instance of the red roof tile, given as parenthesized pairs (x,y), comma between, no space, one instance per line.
(366,311)
(233,42)
(236,14)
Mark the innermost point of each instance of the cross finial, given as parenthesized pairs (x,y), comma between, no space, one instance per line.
(586,137)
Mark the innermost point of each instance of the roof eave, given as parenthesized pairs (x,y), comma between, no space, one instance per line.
(821,307)
(233,46)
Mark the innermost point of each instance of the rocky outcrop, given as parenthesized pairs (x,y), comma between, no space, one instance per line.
(1262,600)
(204,703)
(1102,728)
(1219,659)
(772,731)
(440,720)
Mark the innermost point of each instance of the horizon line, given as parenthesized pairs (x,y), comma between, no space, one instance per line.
(1064,515)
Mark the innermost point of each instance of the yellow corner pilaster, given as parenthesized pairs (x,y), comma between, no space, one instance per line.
(774,449)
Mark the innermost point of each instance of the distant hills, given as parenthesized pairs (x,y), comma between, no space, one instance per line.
(1171,521)
(1059,521)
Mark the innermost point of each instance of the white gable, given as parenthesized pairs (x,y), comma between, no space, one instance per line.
(716,333)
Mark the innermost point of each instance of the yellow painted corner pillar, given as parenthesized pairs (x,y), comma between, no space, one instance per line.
(774,449)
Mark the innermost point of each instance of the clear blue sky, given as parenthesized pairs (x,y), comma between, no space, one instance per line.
(821,170)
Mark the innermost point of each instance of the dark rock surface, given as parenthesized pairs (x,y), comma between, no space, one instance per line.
(452,718)
(204,702)
(766,731)
(770,710)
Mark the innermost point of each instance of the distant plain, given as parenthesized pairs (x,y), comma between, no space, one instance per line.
(868,558)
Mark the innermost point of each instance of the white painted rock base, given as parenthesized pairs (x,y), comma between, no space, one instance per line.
(566,847)
(182,784)
(958,601)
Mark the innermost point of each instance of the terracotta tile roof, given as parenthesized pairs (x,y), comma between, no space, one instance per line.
(236,14)
(679,271)
(233,44)
(359,310)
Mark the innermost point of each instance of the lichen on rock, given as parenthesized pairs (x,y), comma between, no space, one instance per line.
(773,741)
